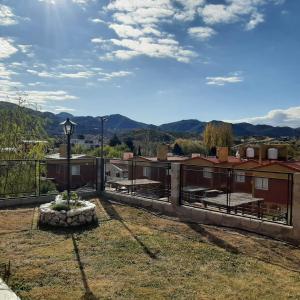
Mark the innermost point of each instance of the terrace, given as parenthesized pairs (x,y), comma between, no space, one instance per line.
(151,238)
(135,254)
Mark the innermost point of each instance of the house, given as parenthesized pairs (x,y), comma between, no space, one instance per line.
(83,172)
(116,169)
(87,141)
(263,171)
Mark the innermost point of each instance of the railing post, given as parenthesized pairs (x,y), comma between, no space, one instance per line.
(296,203)
(175,184)
(99,175)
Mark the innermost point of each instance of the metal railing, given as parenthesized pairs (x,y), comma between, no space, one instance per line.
(33,178)
(138,178)
(250,193)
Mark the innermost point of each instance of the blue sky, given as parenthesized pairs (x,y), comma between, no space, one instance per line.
(155,61)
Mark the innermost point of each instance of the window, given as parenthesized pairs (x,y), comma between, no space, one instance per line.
(261,183)
(146,171)
(75,170)
(207,172)
(239,176)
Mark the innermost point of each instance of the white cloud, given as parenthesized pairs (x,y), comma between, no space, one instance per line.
(189,9)
(83,2)
(256,19)
(76,75)
(44,96)
(201,33)
(35,83)
(136,24)
(217,13)
(222,80)
(34,96)
(63,109)
(96,20)
(79,2)
(5,73)
(152,47)
(235,11)
(7,48)
(7,17)
(97,40)
(126,31)
(277,117)
(112,75)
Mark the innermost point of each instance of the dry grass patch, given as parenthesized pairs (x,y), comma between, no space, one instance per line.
(134,254)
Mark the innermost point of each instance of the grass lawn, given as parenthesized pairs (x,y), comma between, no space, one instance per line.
(134,254)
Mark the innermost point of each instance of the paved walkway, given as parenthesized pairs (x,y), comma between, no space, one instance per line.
(6,293)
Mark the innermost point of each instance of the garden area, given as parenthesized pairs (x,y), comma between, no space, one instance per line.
(135,254)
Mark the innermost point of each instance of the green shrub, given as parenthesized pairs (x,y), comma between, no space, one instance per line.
(47,187)
(60,207)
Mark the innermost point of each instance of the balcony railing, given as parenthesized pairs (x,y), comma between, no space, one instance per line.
(32,178)
(250,193)
(138,178)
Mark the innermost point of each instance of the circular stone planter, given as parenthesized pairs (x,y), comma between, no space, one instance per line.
(83,215)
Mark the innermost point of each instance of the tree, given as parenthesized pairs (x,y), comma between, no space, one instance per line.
(139,151)
(110,152)
(189,146)
(114,141)
(215,135)
(19,129)
(129,142)
(177,150)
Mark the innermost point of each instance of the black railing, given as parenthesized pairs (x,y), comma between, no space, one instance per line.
(139,178)
(32,178)
(250,193)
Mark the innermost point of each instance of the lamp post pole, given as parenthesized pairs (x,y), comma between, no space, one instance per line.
(68,130)
(69,167)
(102,153)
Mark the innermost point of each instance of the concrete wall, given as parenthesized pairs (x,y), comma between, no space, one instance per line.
(198,215)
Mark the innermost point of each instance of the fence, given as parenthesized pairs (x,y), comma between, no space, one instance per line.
(139,178)
(256,194)
(33,178)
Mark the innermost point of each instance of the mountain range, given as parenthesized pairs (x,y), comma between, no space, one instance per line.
(117,123)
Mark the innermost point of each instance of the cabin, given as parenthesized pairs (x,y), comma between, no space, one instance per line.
(83,172)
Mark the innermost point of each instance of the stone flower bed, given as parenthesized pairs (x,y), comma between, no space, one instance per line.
(80,213)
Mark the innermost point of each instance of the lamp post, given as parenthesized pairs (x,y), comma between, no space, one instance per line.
(102,119)
(68,130)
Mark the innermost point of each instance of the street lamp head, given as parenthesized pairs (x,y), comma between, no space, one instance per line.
(68,127)
(103,118)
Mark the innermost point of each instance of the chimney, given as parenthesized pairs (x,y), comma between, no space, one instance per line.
(222,154)
(196,155)
(162,152)
(127,155)
(63,150)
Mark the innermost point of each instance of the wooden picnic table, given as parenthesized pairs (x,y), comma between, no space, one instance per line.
(191,190)
(234,201)
(194,189)
(131,184)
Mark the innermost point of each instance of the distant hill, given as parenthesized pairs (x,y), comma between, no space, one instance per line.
(117,123)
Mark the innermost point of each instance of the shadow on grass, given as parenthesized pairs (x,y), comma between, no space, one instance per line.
(212,238)
(108,207)
(68,230)
(88,295)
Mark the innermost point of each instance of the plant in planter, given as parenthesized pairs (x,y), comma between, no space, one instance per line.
(60,203)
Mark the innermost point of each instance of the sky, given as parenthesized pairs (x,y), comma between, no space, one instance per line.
(155,61)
